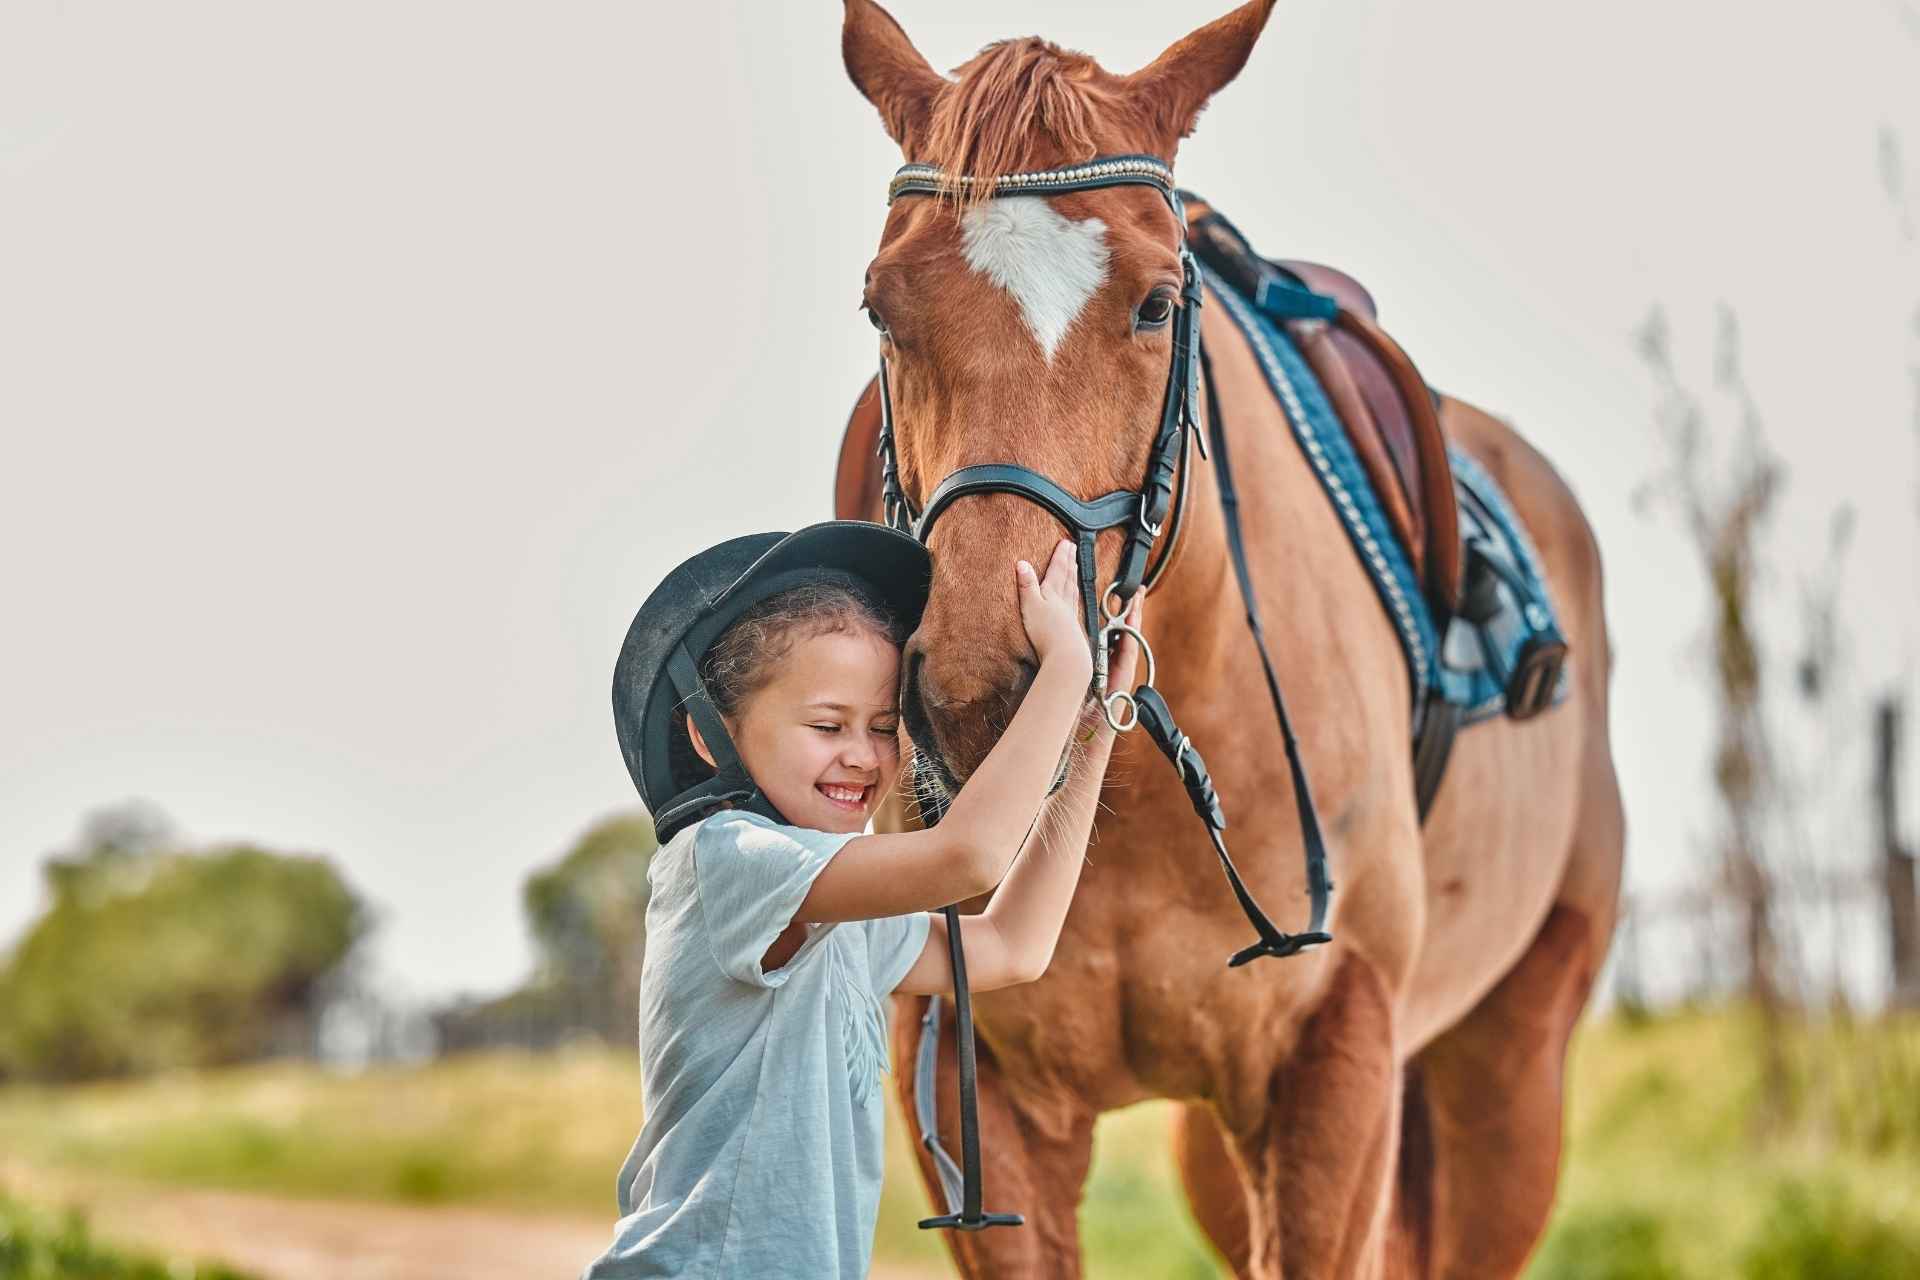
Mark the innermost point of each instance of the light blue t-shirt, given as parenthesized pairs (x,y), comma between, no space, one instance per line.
(762,1150)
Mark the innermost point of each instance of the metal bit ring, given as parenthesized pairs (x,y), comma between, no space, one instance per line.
(1123,697)
(1122,628)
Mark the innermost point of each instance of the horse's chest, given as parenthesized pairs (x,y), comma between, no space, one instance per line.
(1122,1018)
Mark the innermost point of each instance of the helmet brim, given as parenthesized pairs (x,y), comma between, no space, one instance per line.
(891,563)
(709,592)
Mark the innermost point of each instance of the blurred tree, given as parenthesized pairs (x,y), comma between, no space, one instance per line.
(150,958)
(588,916)
(112,841)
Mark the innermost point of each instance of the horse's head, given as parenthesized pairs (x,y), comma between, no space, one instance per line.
(1030,330)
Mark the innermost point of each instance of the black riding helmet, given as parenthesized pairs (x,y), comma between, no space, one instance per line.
(659,666)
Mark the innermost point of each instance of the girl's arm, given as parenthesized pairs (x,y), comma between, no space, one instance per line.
(1012,941)
(970,851)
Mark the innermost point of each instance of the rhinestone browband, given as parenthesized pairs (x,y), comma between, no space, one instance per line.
(1110,171)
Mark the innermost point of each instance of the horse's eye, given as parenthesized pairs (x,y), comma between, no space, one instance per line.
(1154,312)
(874,318)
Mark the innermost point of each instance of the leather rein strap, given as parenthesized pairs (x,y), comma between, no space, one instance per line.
(1145,513)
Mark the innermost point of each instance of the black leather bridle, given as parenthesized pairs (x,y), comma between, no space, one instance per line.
(1145,513)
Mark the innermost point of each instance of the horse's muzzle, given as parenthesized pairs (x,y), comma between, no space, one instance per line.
(951,742)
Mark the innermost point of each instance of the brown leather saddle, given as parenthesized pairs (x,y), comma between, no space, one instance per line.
(1391,415)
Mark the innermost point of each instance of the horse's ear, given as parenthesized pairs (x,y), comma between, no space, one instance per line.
(889,71)
(1175,86)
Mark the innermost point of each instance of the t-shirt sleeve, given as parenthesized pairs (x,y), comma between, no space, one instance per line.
(893,944)
(750,876)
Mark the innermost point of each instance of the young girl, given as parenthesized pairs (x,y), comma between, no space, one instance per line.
(757,708)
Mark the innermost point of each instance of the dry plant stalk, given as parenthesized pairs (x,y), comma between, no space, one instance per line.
(1724,503)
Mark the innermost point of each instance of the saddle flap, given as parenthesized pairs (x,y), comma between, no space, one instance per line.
(1407,419)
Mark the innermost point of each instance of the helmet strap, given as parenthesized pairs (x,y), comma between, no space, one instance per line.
(731,783)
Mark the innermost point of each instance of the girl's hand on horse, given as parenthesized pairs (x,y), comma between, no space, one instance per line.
(1050,609)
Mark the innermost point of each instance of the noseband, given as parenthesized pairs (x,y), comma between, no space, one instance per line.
(1146,514)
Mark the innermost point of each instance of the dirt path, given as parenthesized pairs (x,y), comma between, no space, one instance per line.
(281,1238)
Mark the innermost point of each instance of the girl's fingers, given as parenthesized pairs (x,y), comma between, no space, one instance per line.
(1126,652)
(1061,571)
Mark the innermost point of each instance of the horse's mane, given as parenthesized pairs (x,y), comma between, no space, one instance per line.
(1018,105)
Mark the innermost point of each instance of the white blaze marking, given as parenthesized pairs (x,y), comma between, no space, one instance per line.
(1050,264)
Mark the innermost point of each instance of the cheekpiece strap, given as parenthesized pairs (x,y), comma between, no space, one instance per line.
(685,673)
(896,508)
(1177,414)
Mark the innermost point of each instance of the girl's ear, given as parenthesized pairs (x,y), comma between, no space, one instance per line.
(700,743)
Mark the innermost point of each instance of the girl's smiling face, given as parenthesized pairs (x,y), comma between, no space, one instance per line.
(822,737)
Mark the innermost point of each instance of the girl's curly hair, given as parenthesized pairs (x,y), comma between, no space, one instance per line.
(743,660)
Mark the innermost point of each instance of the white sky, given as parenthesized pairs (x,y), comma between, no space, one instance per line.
(362,365)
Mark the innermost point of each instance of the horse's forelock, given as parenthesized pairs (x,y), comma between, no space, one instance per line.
(1021,105)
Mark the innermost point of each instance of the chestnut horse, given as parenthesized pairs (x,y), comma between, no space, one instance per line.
(1388,1105)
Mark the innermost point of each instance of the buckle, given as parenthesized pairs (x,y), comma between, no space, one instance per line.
(1536,676)
(1149,527)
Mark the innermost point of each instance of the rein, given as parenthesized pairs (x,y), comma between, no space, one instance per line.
(1147,513)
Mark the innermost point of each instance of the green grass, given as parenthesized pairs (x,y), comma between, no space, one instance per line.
(1668,1174)
(38,1246)
(532,1132)
(1667,1142)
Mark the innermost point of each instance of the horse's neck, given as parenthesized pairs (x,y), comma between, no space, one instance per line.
(1196,611)
(1209,669)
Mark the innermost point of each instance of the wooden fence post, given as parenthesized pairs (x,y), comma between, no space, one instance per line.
(1903,906)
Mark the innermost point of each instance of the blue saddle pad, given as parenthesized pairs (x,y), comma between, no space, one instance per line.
(1459,670)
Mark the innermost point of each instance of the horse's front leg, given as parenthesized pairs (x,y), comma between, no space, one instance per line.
(1320,1164)
(1035,1148)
